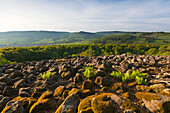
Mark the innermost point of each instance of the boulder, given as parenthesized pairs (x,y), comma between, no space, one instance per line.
(58,91)
(44,103)
(87,84)
(25,92)
(103,81)
(102,103)
(13,106)
(85,104)
(9,91)
(19,84)
(2,86)
(70,104)
(3,102)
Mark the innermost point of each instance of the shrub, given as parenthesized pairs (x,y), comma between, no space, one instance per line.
(46,75)
(4,61)
(135,75)
(88,73)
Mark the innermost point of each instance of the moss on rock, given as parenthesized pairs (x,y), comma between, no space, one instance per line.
(87,84)
(26,102)
(165,92)
(128,95)
(45,102)
(147,96)
(87,110)
(129,105)
(85,103)
(65,94)
(71,111)
(150,96)
(139,95)
(85,93)
(102,103)
(143,88)
(58,91)
(99,80)
(73,91)
(116,86)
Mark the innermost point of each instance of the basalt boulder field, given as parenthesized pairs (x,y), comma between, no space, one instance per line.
(22,89)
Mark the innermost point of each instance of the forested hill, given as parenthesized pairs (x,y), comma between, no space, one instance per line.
(39,38)
(31,38)
(135,38)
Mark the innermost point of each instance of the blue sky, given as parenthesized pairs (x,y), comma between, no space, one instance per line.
(87,15)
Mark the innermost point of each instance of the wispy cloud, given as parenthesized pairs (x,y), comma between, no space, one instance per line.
(89,15)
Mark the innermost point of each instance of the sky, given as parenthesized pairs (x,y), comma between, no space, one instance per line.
(85,15)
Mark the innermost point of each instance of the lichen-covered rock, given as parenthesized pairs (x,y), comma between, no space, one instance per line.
(58,91)
(25,92)
(87,84)
(127,104)
(103,81)
(85,103)
(100,72)
(117,99)
(153,101)
(87,110)
(2,86)
(65,94)
(143,88)
(66,75)
(70,105)
(157,87)
(102,103)
(13,106)
(85,93)
(9,91)
(128,95)
(165,92)
(116,86)
(128,111)
(3,102)
(78,78)
(45,102)
(74,91)
(26,102)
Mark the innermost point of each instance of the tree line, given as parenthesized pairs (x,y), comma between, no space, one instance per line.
(21,54)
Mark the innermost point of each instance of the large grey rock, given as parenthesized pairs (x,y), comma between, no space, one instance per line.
(71,102)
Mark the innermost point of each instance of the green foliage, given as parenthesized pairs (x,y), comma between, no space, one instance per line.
(135,75)
(46,75)
(116,74)
(140,80)
(88,73)
(4,61)
(21,54)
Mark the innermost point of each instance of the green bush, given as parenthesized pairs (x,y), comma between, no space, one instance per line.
(88,73)
(46,75)
(140,78)
(4,61)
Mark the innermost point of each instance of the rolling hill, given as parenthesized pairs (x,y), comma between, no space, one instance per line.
(38,38)
(134,38)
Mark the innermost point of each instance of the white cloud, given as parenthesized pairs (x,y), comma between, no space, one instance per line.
(89,15)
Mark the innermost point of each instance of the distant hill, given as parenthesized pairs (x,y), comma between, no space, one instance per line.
(134,38)
(38,38)
(30,38)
